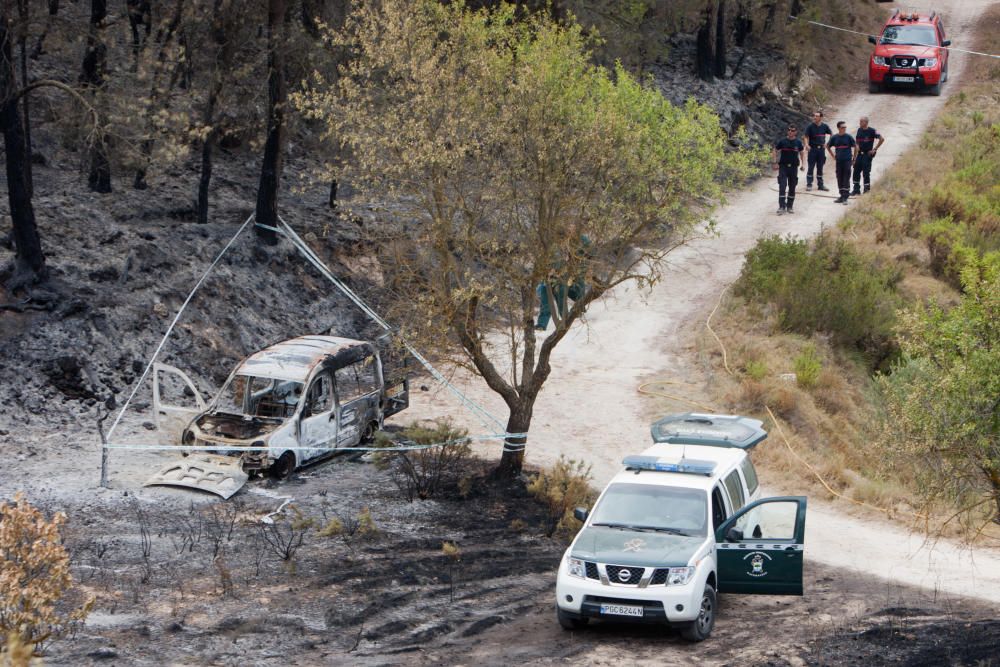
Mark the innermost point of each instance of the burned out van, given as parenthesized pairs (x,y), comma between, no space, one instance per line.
(282,407)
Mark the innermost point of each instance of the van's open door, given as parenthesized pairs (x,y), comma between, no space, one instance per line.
(176,402)
(760,548)
(395,375)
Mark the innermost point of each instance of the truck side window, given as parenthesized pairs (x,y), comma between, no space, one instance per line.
(750,475)
(735,490)
(320,396)
(347,384)
(718,508)
(367,375)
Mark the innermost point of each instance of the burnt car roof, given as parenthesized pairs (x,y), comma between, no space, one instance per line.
(295,359)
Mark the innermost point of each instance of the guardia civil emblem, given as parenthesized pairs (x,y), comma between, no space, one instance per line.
(634,545)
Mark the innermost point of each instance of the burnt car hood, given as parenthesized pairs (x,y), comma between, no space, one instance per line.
(234,427)
(629,547)
(221,475)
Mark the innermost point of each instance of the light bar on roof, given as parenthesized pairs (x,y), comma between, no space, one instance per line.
(654,463)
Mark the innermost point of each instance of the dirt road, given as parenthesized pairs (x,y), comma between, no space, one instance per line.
(590,408)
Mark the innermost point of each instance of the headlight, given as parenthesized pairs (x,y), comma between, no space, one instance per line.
(678,576)
(879,60)
(930,62)
(577,568)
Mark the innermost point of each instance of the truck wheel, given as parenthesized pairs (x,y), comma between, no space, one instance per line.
(874,87)
(935,90)
(368,436)
(568,622)
(701,627)
(284,466)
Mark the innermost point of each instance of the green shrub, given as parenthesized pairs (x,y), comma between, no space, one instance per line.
(755,370)
(561,488)
(828,287)
(807,367)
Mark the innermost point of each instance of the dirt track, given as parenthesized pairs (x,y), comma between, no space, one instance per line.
(590,408)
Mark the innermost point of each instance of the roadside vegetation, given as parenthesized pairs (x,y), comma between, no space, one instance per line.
(877,343)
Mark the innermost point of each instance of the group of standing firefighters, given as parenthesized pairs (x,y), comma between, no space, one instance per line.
(847,151)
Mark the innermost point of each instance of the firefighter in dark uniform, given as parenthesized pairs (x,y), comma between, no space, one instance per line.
(846,150)
(867,148)
(816,134)
(788,154)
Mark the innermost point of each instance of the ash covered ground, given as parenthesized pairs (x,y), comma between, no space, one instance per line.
(183,578)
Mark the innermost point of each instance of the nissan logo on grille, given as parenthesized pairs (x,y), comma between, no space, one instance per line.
(624,574)
(904,61)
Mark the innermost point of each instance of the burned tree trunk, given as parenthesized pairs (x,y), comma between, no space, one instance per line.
(512,458)
(270,173)
(720,40)
(29,261)
(223,57)
(92,77)
(705,44)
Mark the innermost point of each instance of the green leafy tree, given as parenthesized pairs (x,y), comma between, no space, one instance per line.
(943,402)
(513,161)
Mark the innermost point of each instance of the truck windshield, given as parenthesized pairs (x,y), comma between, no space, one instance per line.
(253,396)
(910,35)
(652,507)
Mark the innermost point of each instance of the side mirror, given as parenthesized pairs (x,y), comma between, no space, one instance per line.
(734,535)
(946,42)
(581,514)
(871,38)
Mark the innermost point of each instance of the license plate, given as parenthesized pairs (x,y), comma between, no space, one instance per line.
(903,79)
(621,610)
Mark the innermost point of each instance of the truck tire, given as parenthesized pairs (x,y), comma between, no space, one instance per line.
(699,629)
(874,88)
(935,90)
(284,466)
(368,435)
(567,622)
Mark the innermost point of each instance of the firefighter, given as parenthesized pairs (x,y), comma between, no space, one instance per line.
(788,154)
(867,148)
(846,150)
(816,134)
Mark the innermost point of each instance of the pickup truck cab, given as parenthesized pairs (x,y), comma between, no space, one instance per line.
(282,407)
(910,52)
(679,524)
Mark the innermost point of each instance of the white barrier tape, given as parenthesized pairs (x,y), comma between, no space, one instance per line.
(315,448)
(170,329)
(866,34)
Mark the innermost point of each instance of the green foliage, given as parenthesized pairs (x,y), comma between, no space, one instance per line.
(501,144)
(943,400)
(562,488)
(828,287)
(807,367)
(756,370)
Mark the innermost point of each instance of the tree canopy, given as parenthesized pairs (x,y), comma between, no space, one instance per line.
(943,402)
(512,161)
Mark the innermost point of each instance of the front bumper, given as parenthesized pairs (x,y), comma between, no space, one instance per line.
(921,78)
(582,598)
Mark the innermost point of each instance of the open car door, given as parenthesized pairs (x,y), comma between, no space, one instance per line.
(176,402)
(760,548)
